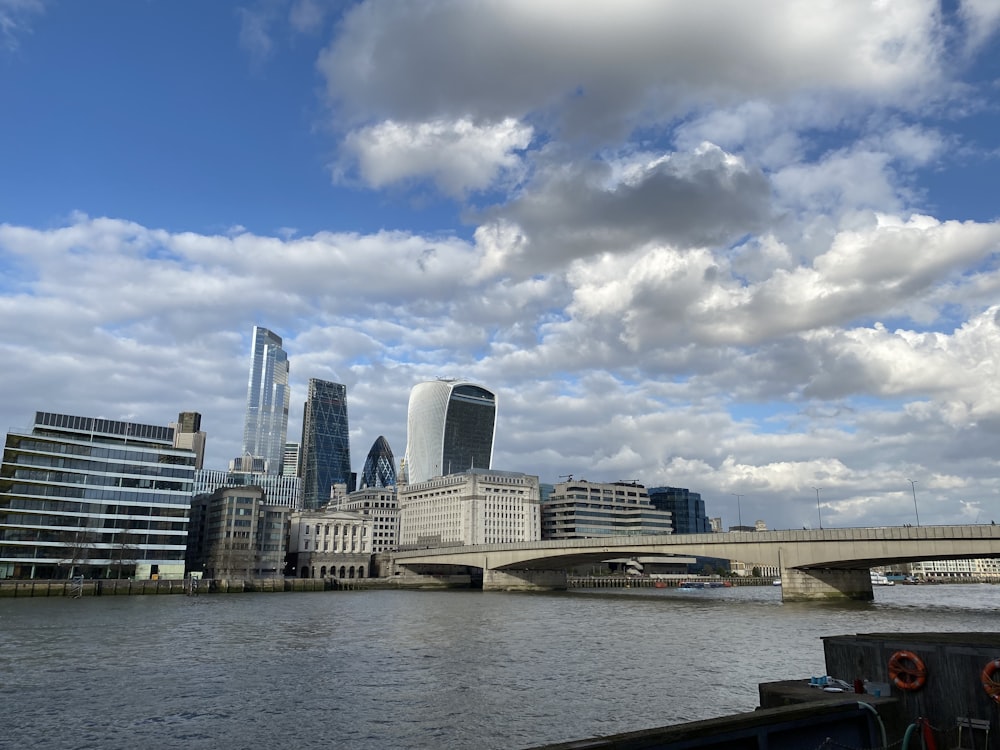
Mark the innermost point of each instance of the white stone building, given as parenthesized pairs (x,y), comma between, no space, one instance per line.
(478,506)
(330,543)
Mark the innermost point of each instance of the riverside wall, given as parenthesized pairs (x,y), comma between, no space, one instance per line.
(76,588)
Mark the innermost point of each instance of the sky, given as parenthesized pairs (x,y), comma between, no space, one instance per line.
(751,249)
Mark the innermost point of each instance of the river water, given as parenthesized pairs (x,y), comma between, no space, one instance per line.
(398,669)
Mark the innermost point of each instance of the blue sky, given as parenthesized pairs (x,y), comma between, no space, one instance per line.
(699,244)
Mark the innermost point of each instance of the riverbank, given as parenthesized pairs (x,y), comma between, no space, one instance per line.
(76,588)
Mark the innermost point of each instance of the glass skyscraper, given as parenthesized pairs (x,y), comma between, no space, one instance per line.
(450,426)
(325,451)
(380,466)
(266,421)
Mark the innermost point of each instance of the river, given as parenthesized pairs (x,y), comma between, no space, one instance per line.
(399,669)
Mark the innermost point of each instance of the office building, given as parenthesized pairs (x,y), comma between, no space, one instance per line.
(450,427)
(380,466)
(266,422)
(687,509)
(582,509)
(278,489)
(476,506)
(93,497)
(235,533)
(290,462)
(326,451)
(189,436)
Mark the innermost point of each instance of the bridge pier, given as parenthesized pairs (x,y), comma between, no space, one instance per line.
(524,580)
(817,584)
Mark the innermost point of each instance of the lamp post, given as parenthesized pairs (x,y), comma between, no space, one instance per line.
(818,511)
(739,512)
(913,489)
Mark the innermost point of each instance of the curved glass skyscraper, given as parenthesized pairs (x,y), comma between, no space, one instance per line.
(325,452)
(450,426)
(266,421)
(380,466)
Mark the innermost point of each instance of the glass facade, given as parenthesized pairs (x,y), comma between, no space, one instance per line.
(687,507)
(325,448)
(380,466)
(451,426)
(266,422)
(93,497)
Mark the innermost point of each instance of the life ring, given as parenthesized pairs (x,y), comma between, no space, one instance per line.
(907,671)
(991,680)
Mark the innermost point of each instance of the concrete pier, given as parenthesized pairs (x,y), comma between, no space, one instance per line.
(524,580)
(820,584)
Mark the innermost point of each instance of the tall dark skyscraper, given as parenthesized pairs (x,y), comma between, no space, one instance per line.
(266,421)
(380,466)
(325,452)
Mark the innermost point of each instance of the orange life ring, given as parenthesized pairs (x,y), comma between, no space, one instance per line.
(991,680)
(907,671)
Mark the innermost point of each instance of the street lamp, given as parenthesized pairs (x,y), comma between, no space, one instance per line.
(739,513)
(913,489)
(818,511)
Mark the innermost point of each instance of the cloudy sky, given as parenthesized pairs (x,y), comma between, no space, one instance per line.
(745,248)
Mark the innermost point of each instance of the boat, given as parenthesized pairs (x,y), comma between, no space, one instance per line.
(776,582)
(879,579)
(660,585)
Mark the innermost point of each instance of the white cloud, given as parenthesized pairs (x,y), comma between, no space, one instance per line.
(459,156)
(15,21)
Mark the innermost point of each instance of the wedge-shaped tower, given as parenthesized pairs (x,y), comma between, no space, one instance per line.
(450,427)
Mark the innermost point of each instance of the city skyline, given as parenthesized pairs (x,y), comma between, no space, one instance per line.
(751,254)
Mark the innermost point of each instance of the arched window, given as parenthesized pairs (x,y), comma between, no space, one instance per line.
(305,572)
(350,572)
(322,572)
(361,572)
(343,572)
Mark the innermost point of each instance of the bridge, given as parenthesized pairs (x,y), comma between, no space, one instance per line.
(815,564)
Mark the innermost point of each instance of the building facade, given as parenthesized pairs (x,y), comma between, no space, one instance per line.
(477,506)
(687,509)
(326,450)
(582,509)
(329,543)
(189,436)
(380,466)
(278,490)
(450,427)
(381,505)
(266,421)
(94,497)
(235,533)
(290,462)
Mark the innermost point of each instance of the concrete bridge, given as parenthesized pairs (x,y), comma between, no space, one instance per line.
(817,564)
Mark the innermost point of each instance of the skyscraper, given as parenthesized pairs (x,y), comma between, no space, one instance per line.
(450,426)
(325,452)
(266,421)
(380,466)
